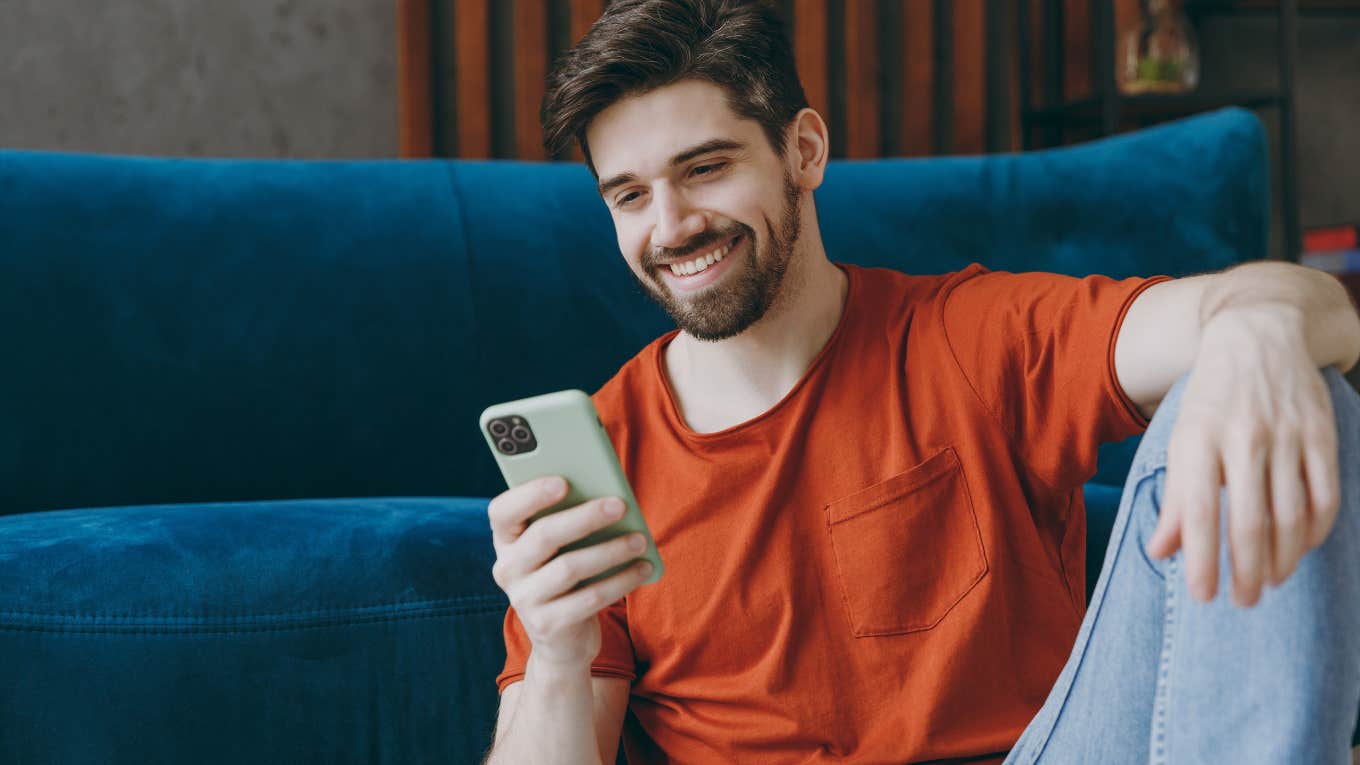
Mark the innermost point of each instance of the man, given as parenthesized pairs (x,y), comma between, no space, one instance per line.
(867,485)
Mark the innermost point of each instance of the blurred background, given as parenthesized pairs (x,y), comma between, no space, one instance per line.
(463,78)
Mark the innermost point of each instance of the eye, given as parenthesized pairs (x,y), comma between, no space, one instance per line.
(626,199)
(710,168)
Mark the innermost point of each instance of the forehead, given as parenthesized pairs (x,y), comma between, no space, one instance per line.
(640,133)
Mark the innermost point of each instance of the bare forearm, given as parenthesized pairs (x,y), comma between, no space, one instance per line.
(1316,301)
(553,720)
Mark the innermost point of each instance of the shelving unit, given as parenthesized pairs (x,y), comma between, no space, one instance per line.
(1108,109)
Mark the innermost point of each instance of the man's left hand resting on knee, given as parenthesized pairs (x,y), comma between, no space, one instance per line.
(1255,416)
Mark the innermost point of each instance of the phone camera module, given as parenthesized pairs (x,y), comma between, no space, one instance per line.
(512,435)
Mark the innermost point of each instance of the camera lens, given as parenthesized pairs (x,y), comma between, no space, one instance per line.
(521,434)
(507,446)
(499,428)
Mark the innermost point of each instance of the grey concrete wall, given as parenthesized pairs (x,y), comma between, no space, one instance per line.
(317,78)
(231,78)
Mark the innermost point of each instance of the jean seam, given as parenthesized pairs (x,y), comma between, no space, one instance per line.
(1155,473)
(1162,695)
(1038,746)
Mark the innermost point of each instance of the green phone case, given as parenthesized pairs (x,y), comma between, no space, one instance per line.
(572,443)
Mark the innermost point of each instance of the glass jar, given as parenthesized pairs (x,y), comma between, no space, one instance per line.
(1160,53)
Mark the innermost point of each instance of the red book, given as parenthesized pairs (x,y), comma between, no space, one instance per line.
(1331,238)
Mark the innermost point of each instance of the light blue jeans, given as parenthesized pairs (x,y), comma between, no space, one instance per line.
(1157,677)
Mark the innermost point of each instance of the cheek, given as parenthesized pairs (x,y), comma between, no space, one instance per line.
(737,202)
(631,245)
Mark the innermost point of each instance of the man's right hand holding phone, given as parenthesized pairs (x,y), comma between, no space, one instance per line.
(561,621)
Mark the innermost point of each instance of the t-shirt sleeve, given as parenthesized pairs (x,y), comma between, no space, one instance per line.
(1038,351)
(615,659)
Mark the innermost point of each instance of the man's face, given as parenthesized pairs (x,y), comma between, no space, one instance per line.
(687,179)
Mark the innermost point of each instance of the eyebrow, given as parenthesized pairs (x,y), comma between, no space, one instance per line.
(711,145)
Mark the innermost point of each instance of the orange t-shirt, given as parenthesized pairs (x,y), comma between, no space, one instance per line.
(886,566)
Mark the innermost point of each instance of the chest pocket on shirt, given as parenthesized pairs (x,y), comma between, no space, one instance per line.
(907,549)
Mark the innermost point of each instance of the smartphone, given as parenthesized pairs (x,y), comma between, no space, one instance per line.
(561,434)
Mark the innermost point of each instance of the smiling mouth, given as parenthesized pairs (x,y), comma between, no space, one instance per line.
(701,263)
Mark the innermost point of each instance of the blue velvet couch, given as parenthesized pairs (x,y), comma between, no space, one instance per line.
(242,491)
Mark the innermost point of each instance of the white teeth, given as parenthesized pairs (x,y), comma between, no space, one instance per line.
(701,263)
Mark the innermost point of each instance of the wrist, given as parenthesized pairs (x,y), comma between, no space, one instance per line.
(1273,321)
(556,672)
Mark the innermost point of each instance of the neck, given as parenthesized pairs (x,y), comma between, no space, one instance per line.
(720,384)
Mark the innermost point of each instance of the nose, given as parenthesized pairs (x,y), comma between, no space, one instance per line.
(676,220)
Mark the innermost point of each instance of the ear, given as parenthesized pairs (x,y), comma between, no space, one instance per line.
(809,149)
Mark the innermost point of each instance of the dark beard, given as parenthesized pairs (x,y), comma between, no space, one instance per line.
(727,309)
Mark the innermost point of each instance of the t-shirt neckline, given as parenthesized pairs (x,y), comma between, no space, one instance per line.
(672,408)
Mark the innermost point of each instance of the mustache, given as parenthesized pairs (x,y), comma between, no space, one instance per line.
(700,241)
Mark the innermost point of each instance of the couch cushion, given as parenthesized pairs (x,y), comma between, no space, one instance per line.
(250,632)
(209,330)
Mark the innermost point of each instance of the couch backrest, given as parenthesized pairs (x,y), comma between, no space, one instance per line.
(177,330)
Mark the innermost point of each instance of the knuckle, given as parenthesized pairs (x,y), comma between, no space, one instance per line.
(566,570)
(534,624)
(1318,432)
(1331,505)
(535,543)
(1198,509)
(1253,525)
(560,526)
(524,610)
(620,548)
(1290,525)
(596,598)
(1248,437)
(1325,499)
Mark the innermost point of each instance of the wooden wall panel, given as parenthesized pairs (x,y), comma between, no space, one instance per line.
(415,121)
(583,13)
(1034,68)
(1077,47)
(1125,14)
(906,72)
(809,47)
(916,120)
(531,72)
(970,77)
(472,64)
(862,81)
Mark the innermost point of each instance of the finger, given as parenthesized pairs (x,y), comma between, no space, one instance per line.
(1248,518)
(1320,461)
(590,600)
(1288,509)
(564,572)
(546,536)
(1193,479)
(511,510)
(1166,537)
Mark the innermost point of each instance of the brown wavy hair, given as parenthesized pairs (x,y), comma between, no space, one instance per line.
(639,45)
